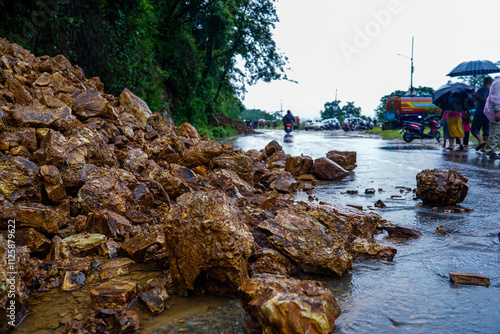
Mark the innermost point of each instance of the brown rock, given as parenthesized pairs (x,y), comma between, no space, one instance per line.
(158,287)
(401,231)
(230,182)
(72,281)
(89,103)
(366,248)
(36,242)
(284,182)
(213,220)
(19,94)
(82,244)
(363,223)
(326,169)
(380,204)
(109,223)
(40,217)
(134,105)
(278,304)
(346,159)
(463,277)
(186,130)
(25,137)
(114,295)
(271,261)
(273,147)
(315,240)
(127,321)
(36,115)
(137,246)
(189,178)
(239,163)
(154,303)
(19,177)
(53,183)
(299,165)
(115,268)
(201,153)
(135,160)
(441,187)
(54,148)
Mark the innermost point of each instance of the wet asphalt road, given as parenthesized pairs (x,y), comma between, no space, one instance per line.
(413,293)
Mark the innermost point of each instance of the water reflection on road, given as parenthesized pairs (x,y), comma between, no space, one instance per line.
(413,293)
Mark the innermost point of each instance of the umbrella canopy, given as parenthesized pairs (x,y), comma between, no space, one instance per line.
(262,120)
(474,67)
(444,95)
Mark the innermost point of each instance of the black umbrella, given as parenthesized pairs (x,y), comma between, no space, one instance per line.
(444,95)
(474,67)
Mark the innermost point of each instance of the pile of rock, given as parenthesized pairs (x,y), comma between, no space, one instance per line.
(95,183)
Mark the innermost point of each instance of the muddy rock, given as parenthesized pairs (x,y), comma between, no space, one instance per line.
(108,223)
(136,247)
(135,105)
(441,187)
(346,159)
(363,224)
(126,321)
(54,148)
(213,220)
(231,183)
(174,186)
(87,146)
(114,295)
(20,137)
(463,277)
(105,193)
(115,268)
(19,178)
(72,281)
(158,287)
(278,304)
(189,178)
(37,243)
(38,216)
(53,183)
(370,249)
(241,164)
(299,165)
(135,160)
(153,303)
(82,244)
(314,240)
(284,182)
(272,148)
(188,131)
(89,103)
(271,261)
(201,153)
(402,231)
(326,169)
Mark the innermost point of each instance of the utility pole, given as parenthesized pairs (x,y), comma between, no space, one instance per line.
(412,68)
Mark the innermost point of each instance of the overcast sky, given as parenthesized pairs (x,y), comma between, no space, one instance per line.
(353,47)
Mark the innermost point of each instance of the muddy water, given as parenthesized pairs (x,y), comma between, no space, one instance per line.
(412,294)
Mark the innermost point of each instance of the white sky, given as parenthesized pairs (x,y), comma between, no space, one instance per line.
(324,42)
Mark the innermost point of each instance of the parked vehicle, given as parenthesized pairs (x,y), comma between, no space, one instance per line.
(400,108)
(309,124)
(415,130)
(330,124)
(353,124)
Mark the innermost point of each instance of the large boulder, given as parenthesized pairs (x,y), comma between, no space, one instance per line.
(53,183)
(441,187)
(135,105)
(346,159)
(282,305)
(316,240)
(90,103)
(201,153)
(299,165)
(19,177)
(37,116)
(284,182)
(239,163)
(205,234)
(326,169)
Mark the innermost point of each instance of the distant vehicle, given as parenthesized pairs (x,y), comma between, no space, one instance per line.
(309,124)
(401,108)
(331,123)
(353,124)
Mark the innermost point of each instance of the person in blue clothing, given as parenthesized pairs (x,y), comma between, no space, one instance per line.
(480,121)
(289,118)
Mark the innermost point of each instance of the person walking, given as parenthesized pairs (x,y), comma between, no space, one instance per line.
(492,113)
(480,122)
(446,133)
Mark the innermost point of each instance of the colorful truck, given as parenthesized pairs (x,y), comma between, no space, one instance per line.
(401,107)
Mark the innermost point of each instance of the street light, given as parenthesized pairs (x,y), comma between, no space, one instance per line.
(412,68)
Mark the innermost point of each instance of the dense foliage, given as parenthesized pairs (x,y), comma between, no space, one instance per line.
(333,109)
(190,58)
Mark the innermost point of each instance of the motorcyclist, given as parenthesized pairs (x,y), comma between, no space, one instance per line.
(289,118)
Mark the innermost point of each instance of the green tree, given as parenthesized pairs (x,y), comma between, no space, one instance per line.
(332,109)
(350,110)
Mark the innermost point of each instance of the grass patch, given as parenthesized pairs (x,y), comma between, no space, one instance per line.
(214,132)
(386,134)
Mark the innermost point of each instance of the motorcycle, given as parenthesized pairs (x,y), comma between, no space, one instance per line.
(288,127)
(415,130)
